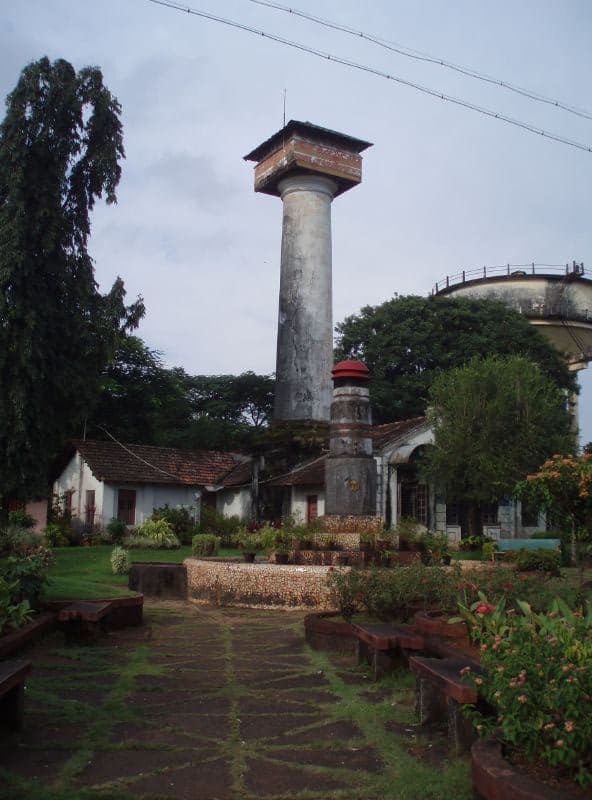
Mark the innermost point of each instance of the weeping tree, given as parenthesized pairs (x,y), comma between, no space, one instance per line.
(60,150)
(494,420)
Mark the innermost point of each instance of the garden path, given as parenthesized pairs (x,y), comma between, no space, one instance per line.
(218,704)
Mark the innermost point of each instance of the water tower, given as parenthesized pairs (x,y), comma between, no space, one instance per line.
(556,299)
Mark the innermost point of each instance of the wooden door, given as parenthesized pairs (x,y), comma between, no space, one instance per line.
(126,506)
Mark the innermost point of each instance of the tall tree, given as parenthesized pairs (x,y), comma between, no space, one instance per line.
(406,341)
(60,147)
(141,401)
(494,420)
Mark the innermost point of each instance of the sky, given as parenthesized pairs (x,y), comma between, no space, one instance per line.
(444,188)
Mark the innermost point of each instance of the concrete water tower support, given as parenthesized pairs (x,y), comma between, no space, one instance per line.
(307,167)
(557,300)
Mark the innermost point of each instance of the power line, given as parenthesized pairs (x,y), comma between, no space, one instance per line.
(379,73)
(419,56)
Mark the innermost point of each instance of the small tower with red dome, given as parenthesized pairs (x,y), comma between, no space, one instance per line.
(350,472)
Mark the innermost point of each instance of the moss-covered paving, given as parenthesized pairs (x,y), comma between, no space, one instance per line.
(218,704)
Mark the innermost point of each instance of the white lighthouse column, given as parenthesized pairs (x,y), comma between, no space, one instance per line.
(305,325)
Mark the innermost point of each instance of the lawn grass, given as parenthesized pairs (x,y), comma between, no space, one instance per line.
(84,573)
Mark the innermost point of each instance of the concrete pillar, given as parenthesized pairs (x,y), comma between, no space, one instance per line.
(305,325)
(307,166)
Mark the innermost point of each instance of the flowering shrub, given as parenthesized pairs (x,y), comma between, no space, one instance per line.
(157,533)
(538,677)
(26,570)
(395,593)
(563,489)
(120,561)
(346,591)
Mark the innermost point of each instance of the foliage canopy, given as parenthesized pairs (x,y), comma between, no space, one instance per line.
(405,342)
(60,147)
(494,420)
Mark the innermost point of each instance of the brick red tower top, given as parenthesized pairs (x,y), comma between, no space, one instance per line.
(301,148)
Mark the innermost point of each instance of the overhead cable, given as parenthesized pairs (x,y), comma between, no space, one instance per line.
(379,73)
(419,56)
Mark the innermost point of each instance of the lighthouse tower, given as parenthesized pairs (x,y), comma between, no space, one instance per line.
(307,166)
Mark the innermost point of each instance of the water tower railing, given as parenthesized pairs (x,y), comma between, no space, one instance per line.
(508,270)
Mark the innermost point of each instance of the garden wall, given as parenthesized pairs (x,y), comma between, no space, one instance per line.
(259,585)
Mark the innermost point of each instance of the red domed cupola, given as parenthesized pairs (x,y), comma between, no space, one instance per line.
(351,370)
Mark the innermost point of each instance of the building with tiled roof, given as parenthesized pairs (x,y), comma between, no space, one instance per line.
(100,480)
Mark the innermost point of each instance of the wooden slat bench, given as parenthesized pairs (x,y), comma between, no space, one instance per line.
(12,692)
(381,644)
(440,692)
(82,622)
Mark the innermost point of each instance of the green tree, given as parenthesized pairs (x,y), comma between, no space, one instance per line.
(562,487)
(406,341)
(494,420)
(60,147)
(141,401)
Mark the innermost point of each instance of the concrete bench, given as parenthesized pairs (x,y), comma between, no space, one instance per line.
(503,546)
(381,644)
(82,622)
(12,692)
(440,693)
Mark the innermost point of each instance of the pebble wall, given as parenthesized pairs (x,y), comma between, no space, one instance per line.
(258,585)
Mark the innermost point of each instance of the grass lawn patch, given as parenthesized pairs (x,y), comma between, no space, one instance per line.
(84,573)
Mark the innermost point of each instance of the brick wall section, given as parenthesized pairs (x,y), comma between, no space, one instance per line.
(259,585)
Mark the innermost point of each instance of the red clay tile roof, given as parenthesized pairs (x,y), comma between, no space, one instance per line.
(382,434)
(240,475)
(134,463)
(311,474)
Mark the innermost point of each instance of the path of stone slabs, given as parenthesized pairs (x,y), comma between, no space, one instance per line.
(218,704)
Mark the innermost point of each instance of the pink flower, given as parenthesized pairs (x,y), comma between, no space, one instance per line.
(523,699)
(569,725)
(559,743)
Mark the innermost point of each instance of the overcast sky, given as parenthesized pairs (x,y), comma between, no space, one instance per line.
(443,188)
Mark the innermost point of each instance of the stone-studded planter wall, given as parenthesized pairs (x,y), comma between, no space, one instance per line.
(259,585)
(351,524)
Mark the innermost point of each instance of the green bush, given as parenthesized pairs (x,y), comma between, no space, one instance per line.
(116,529)
(120,561)
(13,539)
(226,528)
(20,519)
(346,591)
(13,615)
(26,570)
(205,544)
(542,560)
(158,532)
(180,519)
(54,536)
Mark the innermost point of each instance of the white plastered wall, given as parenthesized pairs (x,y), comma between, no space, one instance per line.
(78,479)
(298,504)
(235,503)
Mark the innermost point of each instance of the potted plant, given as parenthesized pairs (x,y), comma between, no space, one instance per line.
(407,532)
(249,543)
(366,541)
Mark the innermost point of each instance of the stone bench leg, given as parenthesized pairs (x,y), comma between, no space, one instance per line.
(12,707)
(460,730)
(430,702)
(381,661)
